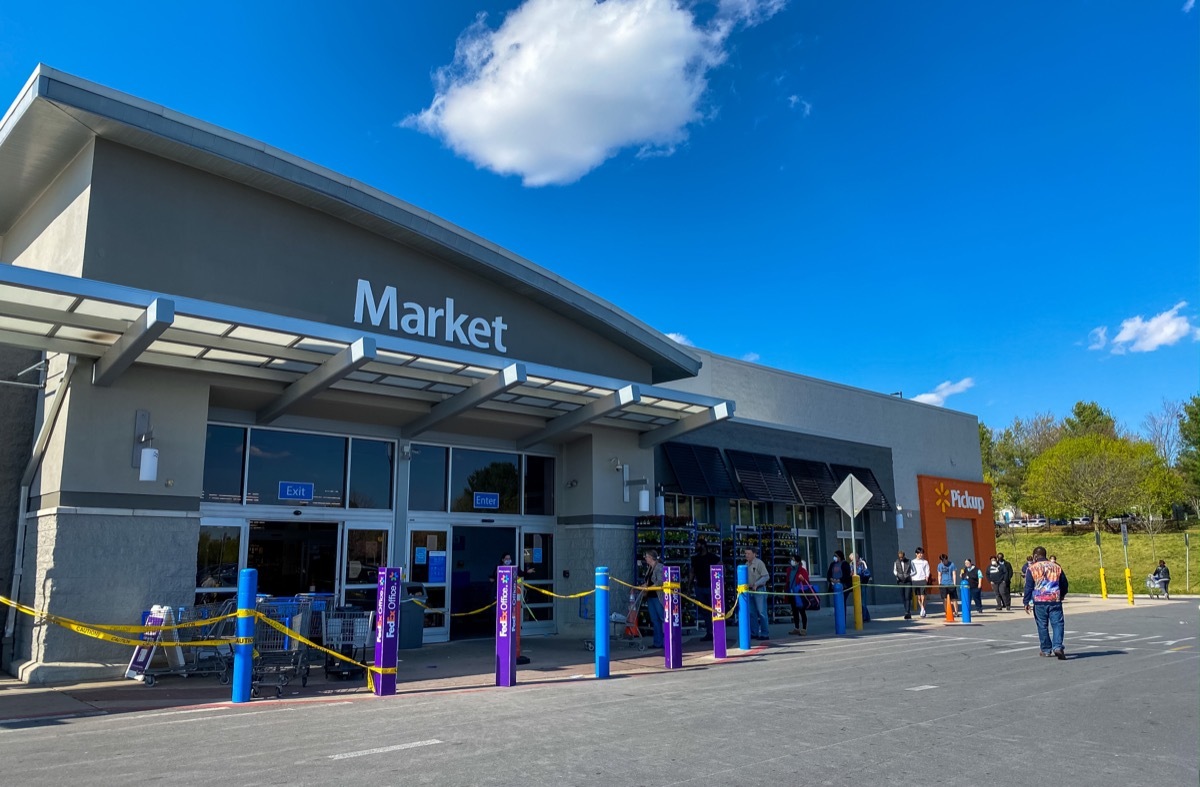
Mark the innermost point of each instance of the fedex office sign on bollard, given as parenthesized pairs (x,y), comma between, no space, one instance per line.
(506,626)
(717,578)
(387,631)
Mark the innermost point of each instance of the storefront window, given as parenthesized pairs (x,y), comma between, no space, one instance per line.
(539,485)
(427,478)
(298,459)
(224,447)
(217,561)
(371,464)
(484,471)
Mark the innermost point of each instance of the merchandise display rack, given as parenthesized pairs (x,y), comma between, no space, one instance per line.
(674,538)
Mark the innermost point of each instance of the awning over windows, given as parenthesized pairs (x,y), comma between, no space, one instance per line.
(699,470)
(879,501)
(120,326)
(814,481)
(760,477)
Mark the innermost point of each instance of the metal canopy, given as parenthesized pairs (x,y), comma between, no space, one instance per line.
(52,312)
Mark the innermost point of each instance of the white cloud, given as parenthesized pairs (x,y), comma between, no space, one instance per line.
(945,390)
(1140,335)
(796,101)
(751,357)
(679,338)
(563,85)
(1097,338)
(1187,7)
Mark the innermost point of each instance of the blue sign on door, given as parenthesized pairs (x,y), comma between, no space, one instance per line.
(421,556)
(437,566)
(301,491)
(487,499)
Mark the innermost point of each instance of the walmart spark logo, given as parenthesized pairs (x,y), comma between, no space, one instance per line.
(943,497)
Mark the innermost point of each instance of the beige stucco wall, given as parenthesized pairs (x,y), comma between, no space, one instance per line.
(50,235)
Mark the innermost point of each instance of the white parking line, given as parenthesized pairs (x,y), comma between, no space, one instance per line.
(384,749)
(1017,650)
(920,688)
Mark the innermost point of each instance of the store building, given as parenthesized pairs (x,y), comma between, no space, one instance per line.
(232,358)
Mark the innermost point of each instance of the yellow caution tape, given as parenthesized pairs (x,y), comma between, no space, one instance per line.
(743,588)
(455,614)
(669,586)
(110,627)
(551,593)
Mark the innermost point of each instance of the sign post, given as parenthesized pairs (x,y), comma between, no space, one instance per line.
(387,632)
(717,580)
(852,497)
(506,634)
(673,655)
(1103,584)
(1128,580)
(1187,564)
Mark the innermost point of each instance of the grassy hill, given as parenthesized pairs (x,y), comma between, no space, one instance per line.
(1079,556)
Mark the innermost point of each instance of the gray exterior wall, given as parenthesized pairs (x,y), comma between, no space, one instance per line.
(163,226)
(18,410)
(98,568)
(924,440)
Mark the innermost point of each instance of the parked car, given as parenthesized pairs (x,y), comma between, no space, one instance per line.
(1036,521)
(1059,522)
(1122,519)
(1082,520)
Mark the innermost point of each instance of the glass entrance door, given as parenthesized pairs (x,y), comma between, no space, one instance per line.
(429,559)
(537,567)
(364,551)
(295,557)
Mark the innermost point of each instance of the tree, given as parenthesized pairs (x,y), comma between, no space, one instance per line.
(1188,458)
(1017,447)
(1092,474)
(1162,429)
(1089,418)
(1161,488)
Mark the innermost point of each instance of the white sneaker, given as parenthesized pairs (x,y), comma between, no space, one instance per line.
(922,613)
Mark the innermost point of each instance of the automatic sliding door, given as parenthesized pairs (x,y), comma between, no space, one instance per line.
(537,563)
(428,558)
(364,551)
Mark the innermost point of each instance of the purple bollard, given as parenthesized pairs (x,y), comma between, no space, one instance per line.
(387,631)
(673,655)
(506,626)
(717,578)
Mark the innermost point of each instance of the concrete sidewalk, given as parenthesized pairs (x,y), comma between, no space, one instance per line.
(456,666)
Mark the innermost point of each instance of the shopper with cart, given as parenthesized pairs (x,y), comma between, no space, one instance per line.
(656,610)
(1162,577)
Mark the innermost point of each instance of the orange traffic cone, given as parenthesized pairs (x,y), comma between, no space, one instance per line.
(949,611)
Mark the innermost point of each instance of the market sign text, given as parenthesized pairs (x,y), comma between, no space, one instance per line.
(418,320)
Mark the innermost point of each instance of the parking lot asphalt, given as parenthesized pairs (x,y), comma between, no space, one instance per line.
(901,701)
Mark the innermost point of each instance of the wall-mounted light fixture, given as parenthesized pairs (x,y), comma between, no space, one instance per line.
(145,455)
(643,494)
(660,502)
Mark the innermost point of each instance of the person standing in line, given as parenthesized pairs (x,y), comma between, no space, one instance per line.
(947,575)
(974,578)
(757,577)
(995,575)
(1162,575)
(1045,589)
(701,565)
(864,579)
(920,577)
(839,571)
(902,569)
(798,584)
(1004,589)
(656,599)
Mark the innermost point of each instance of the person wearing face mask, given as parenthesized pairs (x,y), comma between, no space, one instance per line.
(507,560)
(798,584)
(839,571)
(995,575)
(654,598)
(1004,589)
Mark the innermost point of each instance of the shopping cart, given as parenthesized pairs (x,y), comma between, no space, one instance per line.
(278,653)
(624,625)
(1154,586)
(186,659)
(347,630)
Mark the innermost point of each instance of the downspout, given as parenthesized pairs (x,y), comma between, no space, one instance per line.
(39,450)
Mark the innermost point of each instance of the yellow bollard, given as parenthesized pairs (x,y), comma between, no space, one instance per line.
(1128,586)
(1103,585)
(856,594)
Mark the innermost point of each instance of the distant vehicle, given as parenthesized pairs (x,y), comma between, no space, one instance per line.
(1036,521)
(1082,520)
(1122,519)
(1059,522)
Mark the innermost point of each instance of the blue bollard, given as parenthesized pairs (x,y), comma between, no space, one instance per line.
(964,597)
(602,621)
(243,649)
(839,610)
(744,613)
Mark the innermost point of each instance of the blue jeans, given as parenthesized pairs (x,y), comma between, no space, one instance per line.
(759,622)
(977,599)
(1049,618)
(654,607)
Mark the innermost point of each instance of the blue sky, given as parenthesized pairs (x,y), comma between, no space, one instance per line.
(993,205)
